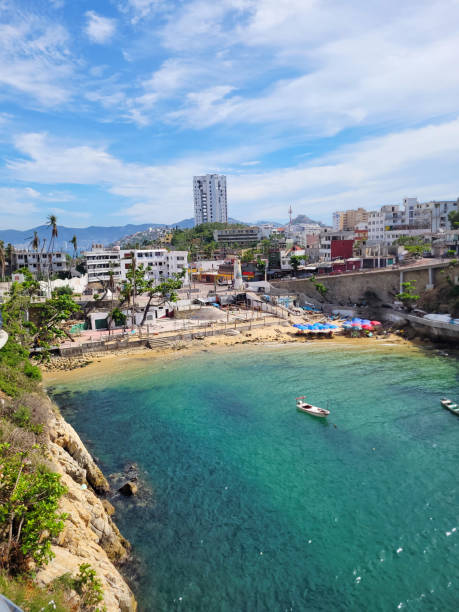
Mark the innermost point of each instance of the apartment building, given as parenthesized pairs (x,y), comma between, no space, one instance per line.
(245,236)
(210,204)
(40,264)
(346,220)
(160,263)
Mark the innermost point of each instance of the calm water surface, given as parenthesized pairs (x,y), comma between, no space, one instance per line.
(257,507)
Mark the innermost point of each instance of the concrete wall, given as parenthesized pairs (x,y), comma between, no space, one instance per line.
(353,288)
(436,330)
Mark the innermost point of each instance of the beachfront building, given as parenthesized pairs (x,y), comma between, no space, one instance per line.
(210,204)
(40,263)
(160,263)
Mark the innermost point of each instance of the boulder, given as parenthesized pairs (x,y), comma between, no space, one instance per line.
(129,488)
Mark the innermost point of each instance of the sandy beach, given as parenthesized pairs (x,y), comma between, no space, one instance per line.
(61,369)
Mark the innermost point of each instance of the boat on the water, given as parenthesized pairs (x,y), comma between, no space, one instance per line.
(449,405)
(303,406)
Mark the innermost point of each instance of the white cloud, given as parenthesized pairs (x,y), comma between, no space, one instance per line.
(34,58)
(343,65)
(422,161)
(140,9)
(99,29)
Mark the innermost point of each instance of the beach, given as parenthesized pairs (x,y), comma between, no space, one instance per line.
(276,334)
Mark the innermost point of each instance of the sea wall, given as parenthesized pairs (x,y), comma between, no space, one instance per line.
(89,534)
(348,289)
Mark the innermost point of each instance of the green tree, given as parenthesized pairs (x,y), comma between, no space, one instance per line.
(296,261)
(160,293)
(51,315)
(248,256)
(454,219)
(2,259)
(407,296)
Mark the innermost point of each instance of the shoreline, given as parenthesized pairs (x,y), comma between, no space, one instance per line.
(61,369)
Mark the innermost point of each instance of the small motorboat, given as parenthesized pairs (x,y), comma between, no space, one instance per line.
(303,406)
(449,405)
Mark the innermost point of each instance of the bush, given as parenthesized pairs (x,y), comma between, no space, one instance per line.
(29,498)
(89,587)
(17,374)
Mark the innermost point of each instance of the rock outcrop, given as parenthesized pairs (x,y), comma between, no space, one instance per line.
(63,434)
(89,534)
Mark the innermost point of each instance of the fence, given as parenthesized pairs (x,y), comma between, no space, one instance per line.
(145,338)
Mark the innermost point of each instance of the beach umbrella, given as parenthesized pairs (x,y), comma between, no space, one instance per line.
(298,326)
(375,322)
(332,326)
(365,322)
(356,326)
(366,326)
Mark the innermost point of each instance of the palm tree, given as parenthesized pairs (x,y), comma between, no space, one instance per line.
(52,224)
(74,243)
(2,258)
(35,243)
(9,256)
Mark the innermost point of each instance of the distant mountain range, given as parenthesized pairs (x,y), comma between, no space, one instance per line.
(86,236)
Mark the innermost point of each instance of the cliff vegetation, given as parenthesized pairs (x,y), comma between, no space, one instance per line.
(57,541)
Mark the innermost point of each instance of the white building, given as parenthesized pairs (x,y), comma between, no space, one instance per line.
(40,264)
(159,263)
(210,205)
(414,219)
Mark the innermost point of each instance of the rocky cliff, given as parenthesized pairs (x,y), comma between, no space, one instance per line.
(90,535)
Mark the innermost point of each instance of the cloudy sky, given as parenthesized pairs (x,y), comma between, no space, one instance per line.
(108,108)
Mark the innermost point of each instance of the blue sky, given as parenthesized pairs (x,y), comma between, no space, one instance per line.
(108,108)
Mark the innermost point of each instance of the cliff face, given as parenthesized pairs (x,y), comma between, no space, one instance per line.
(90,535)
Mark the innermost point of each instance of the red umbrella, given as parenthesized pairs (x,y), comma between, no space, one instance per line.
(366,326)
(356,325)
(375,322)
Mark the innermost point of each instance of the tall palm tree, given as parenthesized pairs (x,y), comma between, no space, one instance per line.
(9,256)
(74,243)
(52,224)
(2,258)
(35,243)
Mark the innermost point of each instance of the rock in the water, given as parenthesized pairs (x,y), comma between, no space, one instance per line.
(128,489)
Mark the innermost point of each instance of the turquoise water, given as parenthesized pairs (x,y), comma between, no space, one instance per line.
(258,507)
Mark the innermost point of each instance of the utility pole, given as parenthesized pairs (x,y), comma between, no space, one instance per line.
(290,218)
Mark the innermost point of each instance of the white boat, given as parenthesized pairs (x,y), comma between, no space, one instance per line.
(449,405)
(303,406)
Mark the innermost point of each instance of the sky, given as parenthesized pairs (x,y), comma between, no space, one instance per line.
(109,108)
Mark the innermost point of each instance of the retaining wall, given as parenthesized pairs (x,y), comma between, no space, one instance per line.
(354,288)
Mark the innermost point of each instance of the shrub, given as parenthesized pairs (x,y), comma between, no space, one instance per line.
(29,498)
(89,587)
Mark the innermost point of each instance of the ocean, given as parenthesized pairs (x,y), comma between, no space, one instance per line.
(248,505)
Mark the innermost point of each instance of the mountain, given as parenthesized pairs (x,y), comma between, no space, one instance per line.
(305,219)
(86,236)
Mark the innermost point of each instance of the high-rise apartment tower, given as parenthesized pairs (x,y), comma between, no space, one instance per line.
(210,199)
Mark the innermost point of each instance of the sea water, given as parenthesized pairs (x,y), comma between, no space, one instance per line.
(254,506)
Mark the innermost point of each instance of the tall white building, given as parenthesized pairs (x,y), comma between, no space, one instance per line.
(210,199)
